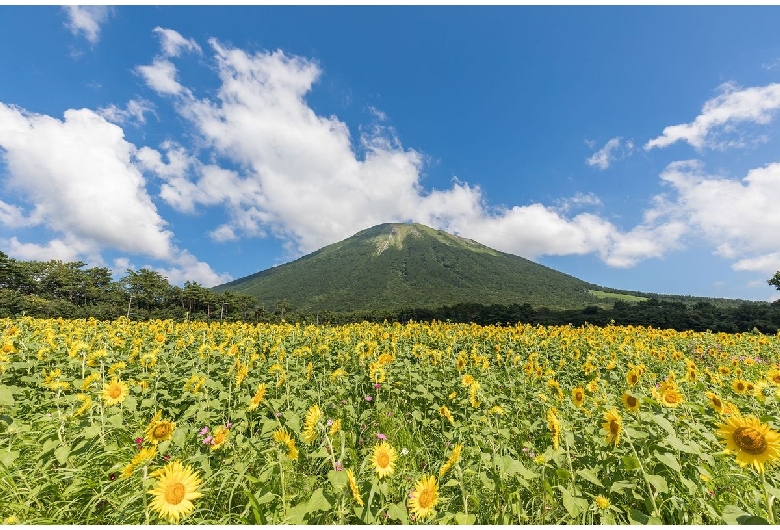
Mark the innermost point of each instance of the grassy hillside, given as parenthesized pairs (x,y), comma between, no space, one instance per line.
(393,266)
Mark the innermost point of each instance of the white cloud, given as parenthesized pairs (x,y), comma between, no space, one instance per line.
(81,175)
(721,114)
(303,180)
(13,216)
(739,217)
(134,111)
(69,249)
(609,153)
(87,20)
(161,77)
(172,43)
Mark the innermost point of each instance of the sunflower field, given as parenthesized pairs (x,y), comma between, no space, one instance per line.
(165,422)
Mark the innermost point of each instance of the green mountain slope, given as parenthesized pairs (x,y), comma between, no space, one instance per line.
(395,266)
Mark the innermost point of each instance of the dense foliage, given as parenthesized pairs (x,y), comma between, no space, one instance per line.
(227,423)
(70,290)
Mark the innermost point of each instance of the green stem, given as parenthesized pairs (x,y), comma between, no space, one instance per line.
(644,476)
(767,499)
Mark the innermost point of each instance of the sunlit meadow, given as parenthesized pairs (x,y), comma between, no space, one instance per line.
(162,422)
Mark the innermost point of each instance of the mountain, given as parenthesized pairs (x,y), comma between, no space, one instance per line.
(396,266)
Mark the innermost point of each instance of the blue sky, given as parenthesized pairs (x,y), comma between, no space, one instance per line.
(632,147)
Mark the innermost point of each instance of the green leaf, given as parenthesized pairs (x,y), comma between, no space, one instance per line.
(62,453)
(317,503)
(574,505)
(6,397)
(338,479)
(462,518)
(48,445)
(620,485)
(256,511)
(637,517)
(7,457)
(658,482)
(669,460)
(450,483)
(631,462)
(731,514)
(590,476)
(665,424)
(752,519)
(679,445)
(92,431)
(397,512)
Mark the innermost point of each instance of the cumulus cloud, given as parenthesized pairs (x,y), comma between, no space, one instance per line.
(82,177)
(304,179)
(87,20)
(739,217)
(161,77)
(720,115)
(66,249)
(612,150)
(172,43)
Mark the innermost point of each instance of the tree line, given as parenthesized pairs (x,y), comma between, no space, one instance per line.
(51,289)
(54,289)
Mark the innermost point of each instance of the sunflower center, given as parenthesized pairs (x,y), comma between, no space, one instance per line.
(633,379)
(383,459)
(174,493)
(426,498)
(740,387)
(631,400)
(717,402)
(614,428)
(578,396)
(161,431)
(115,391)
(750,440)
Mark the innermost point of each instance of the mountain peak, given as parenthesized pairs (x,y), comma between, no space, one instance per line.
(403,265)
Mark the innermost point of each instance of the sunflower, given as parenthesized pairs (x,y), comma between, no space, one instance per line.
(147,453)
(613,425)
(176,489)
(334,428)
(671,398)
(258,397)
(578,396)
(282,436)
(739,386)
(630,402)
(312,417)
(115,392)
(453,459)
(467,380)
(602,502)
(632,377)
(383,459)
(353,487)
(219,437)
(424,497)
(445,412)
(773,376)
(753,442)
(715,402)
(159,430)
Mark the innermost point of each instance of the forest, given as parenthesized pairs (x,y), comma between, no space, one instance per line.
(55,289)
